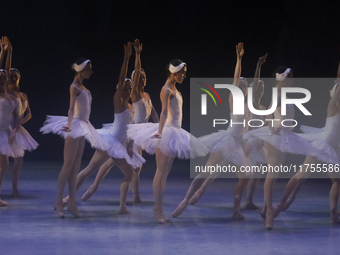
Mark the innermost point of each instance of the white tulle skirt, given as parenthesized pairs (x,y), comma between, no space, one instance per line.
(258,152)
(54,124)
(175,141)
(117,149)
(326,152)
(222,141)
(287,141)
(14,150)
(24,138)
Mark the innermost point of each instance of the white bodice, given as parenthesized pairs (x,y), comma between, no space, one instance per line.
(6,113)
(331,130)
(142,109)
(289,115)
(175,111)
(119,127)
(82,108)
(236,128)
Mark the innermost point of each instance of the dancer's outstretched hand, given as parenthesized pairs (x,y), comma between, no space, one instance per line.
(262,59)
(138,46)
(239,50)
(128,49)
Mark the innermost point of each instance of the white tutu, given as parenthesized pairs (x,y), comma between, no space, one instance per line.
(26,140)
(258,153)
(224,142)
(175,141)
(117,149)
(79,128)
(15,150)
(287,141)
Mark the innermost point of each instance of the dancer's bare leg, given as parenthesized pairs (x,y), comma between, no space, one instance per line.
(241,184)
(3,168)
(135,182)
(17,163)
(124,187)
(274,158)
(164,164)
(295,183)
(249,205)
(70,154)
(98,158)
(197,183)
(292,196)
(334,197)
(102,172)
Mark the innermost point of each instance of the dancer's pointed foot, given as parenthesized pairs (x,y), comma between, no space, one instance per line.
(193,200)
(277,209)
(15,193)
(159,215)
(123,210)
(269,221)
(238,216)
(3,203)
(88,194)
(59,208)
(73,209)
(180,208)
(249,205)
(136,199)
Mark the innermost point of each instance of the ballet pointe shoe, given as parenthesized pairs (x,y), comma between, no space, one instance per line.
(180,208)
(193,200)
(3,203)
(238,216)
(73,209)
(249,205)
(263,213)
(88,194)
(59,208)
(123,210)
(159,215)
(269,221)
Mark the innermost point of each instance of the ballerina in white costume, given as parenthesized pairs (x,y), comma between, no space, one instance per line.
(226,147)
(25,115)
(167,139)
(75,129)
(326,141)
(279,140)
(258,153)
(121,150)
(143,109)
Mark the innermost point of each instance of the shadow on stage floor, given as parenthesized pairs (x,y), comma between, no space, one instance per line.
(29,225)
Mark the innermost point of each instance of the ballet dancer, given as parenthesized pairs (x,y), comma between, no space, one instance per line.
(258,154)
(9,145)
(143,109)
(278,141)
(167,139)
(25,115)
(326,142)
(74,129)
(120,151)
(226,147)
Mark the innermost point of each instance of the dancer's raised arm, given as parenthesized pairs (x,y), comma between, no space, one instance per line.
(138,66)
(237,73)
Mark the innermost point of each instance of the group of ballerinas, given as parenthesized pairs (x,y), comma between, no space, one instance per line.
(121,143)
(268,145)
(14,112)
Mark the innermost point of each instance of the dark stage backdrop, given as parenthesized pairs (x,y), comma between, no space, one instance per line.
(48,36)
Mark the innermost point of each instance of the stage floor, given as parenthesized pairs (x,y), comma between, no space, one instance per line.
(29,225)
